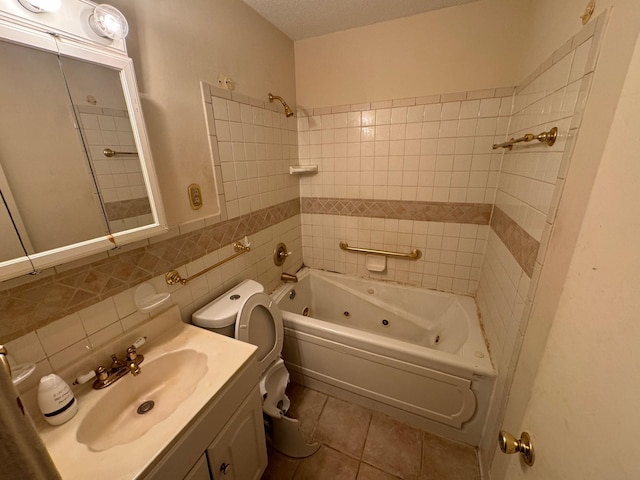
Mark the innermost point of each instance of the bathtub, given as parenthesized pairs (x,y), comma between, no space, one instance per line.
(415,354)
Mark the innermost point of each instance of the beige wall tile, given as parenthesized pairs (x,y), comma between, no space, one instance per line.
(61,334)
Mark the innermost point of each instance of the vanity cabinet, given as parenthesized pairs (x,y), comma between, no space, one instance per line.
(225,441)
(200,470)
(238,452)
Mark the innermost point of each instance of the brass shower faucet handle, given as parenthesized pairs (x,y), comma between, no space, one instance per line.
(280,254)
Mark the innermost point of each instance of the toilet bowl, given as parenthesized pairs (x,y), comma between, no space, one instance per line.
(248,314)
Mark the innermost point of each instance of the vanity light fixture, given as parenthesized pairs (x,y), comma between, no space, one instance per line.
(109,22)
(39,6)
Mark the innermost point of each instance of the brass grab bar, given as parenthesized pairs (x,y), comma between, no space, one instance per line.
(173,277)
(107,152)
(415,254)
(545,137)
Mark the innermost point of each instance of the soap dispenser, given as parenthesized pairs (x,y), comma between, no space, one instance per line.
(56,400)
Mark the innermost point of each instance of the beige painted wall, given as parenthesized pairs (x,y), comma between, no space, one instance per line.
(174,46)
(552,23)
(616,51)
(587,384)
(468,47)
(103,83)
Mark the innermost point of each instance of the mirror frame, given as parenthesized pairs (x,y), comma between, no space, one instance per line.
(67,33)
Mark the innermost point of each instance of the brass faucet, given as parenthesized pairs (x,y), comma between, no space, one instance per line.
(117,369)
(288,277)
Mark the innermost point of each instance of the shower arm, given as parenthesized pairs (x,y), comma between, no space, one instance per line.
(287,110)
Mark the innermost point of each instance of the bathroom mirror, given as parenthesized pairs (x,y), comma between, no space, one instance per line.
(42,157)
(12,252)
(66,101)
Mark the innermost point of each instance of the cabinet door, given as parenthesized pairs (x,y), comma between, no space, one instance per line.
(240,452)
(200,470)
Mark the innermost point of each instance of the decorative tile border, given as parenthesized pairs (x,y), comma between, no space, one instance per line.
(410,101)
(127,208)
(522,246)
(28,307)
(475,213)
(210,89)
(95,110)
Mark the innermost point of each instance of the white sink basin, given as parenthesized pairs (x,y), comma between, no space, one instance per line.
(167,381)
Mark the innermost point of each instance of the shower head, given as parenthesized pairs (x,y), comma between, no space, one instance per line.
(287,110)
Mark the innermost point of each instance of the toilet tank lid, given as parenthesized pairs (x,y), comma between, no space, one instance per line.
(223,311)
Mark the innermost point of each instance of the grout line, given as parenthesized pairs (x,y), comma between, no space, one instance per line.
(295,470)
(366,437)
(395,477)
(358,469)
(422,447)
(317,421)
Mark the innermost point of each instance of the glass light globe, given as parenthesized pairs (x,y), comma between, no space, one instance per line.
(39,6)
(109,22)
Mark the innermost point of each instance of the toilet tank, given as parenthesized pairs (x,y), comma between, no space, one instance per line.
(220,315)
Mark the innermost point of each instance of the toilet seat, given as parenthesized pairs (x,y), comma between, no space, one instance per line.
(260,323)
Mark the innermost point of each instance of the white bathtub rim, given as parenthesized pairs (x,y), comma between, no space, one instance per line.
(428,325)
(465,359)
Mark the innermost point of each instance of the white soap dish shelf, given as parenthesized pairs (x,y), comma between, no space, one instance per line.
(21,371)
(303,169)
(147,300)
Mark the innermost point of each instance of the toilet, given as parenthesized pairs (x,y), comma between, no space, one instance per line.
(248,314)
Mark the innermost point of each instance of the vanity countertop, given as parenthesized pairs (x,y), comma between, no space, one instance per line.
(75,460)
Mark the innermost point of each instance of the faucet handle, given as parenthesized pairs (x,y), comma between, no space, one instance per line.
(99,372)
(84,378)
(131,351)
(102,373)
(131,354)
(280,254)
(139,342)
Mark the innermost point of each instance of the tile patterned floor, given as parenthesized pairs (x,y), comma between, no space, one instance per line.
(360,444)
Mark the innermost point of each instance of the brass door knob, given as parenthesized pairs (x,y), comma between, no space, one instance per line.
(509,444)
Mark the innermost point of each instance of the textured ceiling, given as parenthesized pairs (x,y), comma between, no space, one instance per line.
(300,19)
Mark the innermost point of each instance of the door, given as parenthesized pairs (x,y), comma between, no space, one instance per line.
(239,452)
(582,412)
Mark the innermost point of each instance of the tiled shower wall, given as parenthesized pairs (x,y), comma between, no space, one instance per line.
(119,178)
(427,156)
(253,146)
(529,191)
